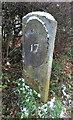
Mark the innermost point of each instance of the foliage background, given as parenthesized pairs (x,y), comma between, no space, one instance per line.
(12,14)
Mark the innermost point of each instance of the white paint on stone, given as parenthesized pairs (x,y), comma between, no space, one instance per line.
(36,18)
(43,14)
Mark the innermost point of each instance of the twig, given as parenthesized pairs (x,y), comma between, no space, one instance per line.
(9,53)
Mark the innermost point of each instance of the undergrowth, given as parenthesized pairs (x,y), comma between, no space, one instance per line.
(28,100)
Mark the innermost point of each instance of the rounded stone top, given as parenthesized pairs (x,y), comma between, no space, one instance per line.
(40,13)
(38,36)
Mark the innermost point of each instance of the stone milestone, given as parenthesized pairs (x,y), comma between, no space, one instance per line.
(39,31)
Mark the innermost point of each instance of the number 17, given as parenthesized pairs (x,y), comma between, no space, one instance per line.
(32,48)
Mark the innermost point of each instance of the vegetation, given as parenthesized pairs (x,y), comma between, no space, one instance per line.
(28,101)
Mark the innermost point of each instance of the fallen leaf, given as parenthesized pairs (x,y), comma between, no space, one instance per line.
(55,81)
(15,112)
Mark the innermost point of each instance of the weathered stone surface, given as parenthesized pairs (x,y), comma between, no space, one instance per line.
(39,30)
(35,39)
